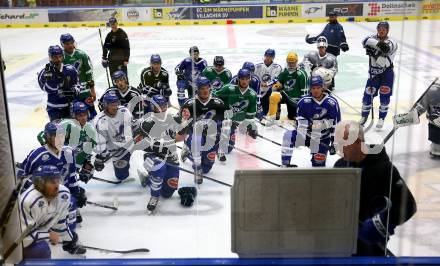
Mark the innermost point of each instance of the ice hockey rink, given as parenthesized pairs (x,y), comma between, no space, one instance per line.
(203,231)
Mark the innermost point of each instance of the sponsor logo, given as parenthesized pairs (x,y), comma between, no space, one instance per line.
(40,204)
(345,9)
(431,7)
(384,90)
(173,182)
(24,15)
(211,156)
(319,157)
(132,14)
(312,10)
(158,13)
(374,9)
(271,11)
(283,11)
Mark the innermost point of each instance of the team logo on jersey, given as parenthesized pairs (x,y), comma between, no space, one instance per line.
(321,114)
(265,78)
(173,182)
(307,100)
(40,204)
(290,84)
(239,106)
(77,64)
(211,156)
(331,102)
(217,84)
(45,157)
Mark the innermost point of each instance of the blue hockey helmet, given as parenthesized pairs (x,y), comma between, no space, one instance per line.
(159,101)
(316,80)
(112,21)
(155,59)
(194,49)
(66,38)
(54,50)
(119,74)
(45,172)
(79,107)
(249,66)
(383,24)
(270,52)
(244,73)
(219,60)
(109,98)
(52,129)
(203,81)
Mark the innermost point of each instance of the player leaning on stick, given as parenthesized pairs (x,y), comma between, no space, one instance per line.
(81,61)
(289,86)
(381,51)
(45,205)
(318,113)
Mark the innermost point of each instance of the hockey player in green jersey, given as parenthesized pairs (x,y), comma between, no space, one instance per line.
(288,88)
(218,74)
(81,61)
(81,136)
(241,102)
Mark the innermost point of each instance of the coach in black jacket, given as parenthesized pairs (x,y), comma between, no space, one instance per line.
(377,201)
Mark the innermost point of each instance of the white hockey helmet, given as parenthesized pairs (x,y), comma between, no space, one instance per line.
(326,75)
(321,41)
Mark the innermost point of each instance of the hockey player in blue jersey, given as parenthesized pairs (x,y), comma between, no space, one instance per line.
(318,114)
(207,112)
(61,84)
(45,205)
(187,72)
(381,51)
(114,136)
(157,135)
(254,85)
(55,153)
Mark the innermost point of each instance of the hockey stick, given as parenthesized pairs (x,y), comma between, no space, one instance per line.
(137,250)
(274,142)
(7,211)
(114,207)
(342,100)
(102,45)
(206,177)
(111,181)
(414,106)
(18,241)
(256,156)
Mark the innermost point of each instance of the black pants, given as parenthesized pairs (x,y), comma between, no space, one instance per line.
(115,66)
(434,133)
(291,107)
(333,50)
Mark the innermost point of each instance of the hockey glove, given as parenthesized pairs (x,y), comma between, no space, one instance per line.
(373,230)
(86,172)
(308,39)
(48,74)
(104,63)
(332,149)
(344,47)
(436,121)
(150,91)
(81,198)
(187,196)
(252,130)
(384,47)
(72,246)
(100,159)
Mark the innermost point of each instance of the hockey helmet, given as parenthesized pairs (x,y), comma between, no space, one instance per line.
(45,172)
(316,80)
(55,50)
(119,75)
(270,52)
(219,61)
(79,107)
(321,41)
(383,24)
(325,74)
(53,129)
(112,21)
(109,98)
(194,49)
(158,102)
(249,66)
(244,73)
(292,57)
(67,37)
(202,81)
(155,59)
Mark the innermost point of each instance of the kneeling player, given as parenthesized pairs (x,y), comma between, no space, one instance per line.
(115,138)
(45,205)
(202,143)
(157,136)
(318,113)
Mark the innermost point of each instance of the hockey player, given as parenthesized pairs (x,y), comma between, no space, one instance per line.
(81,61)
(60,82)
(385,200)
(381,51)
(254,85)
(157,136)
(334,33)
(187,72)
(266,72)
(45,206)
(289,86)
(217,74)
(116,50)
(207,112)
(321,58)
(317,115)
(55,153)
(114,139)
(241,103)
(431,105)
(81,137)
(128,96)
(155,79)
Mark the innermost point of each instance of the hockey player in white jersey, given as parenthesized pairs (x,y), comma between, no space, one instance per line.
(266,72)
(114,139)
(44,206)
(381,51)
(321,58)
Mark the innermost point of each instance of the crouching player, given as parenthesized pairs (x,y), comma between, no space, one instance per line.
(202,143)
(317,116)
(114,136)
(157,135)
(45,207)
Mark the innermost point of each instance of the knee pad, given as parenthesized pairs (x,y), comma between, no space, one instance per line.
(274,100)
(370,90)
(318,159)
(384,90)
(169,187)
